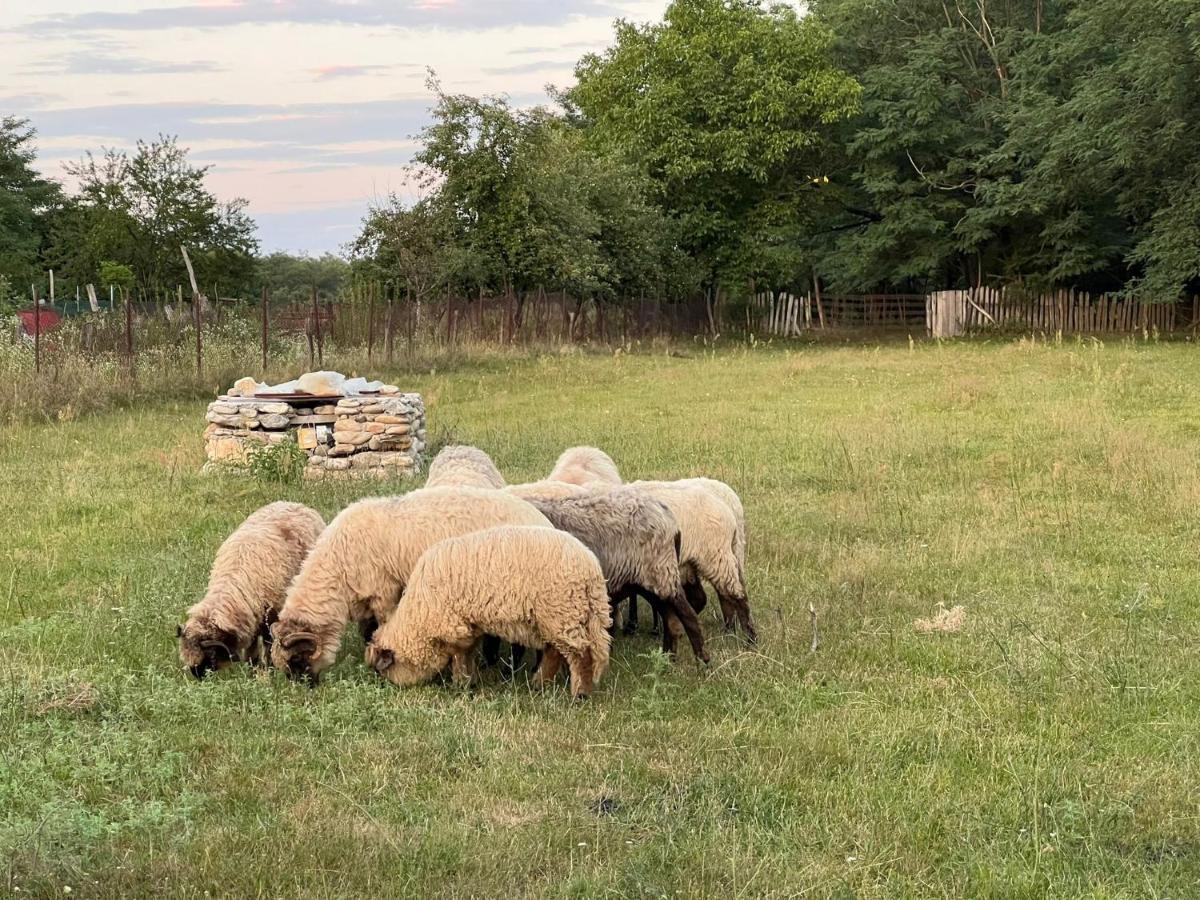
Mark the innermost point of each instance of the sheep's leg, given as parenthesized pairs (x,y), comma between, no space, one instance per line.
(631,616)
(694,591)
(687,618)
(491,650)
(581,674)
(551,662)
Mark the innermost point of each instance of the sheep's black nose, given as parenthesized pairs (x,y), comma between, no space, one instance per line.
(200,671)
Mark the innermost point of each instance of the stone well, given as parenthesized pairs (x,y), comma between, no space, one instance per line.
(370,435)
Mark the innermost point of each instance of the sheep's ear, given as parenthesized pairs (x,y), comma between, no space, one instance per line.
(384,660)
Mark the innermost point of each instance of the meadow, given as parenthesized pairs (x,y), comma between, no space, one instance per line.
(1048,748)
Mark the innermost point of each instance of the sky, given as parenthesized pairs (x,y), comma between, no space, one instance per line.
(306,108)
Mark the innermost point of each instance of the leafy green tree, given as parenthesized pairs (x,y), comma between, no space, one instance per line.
(725,105)
(1102,149)
(914,168)
(28,203)
(292,278)
(140,209)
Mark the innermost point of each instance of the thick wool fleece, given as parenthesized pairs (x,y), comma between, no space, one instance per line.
(710,545)
(535,587)
(550,490)
(726,495)
(463,466)
(361,564)
(247,586)
(637,541)
(584,465)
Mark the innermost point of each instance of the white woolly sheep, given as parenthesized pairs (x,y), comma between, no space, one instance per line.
(637,541)
(535,587)
(247,586)
(584,465)
(710,548)
(463,466)
(358,569)
(549,490)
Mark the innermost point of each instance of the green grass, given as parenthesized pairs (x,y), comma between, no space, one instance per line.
(1050,748)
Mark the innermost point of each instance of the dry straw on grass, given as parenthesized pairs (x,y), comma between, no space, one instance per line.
(944,621)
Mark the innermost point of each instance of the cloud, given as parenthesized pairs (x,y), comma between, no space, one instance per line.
(327,73)
(570,45)
(453,14)
(540,65)
(85,63)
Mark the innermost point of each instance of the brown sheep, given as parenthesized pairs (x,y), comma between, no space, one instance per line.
(246,588)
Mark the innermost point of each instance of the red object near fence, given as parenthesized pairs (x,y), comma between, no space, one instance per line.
(44,317)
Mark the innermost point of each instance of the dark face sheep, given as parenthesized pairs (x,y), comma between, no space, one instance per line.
(295,650)
(425,663)
(204,647)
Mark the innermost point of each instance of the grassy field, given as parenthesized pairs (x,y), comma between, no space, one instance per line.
(1049,748)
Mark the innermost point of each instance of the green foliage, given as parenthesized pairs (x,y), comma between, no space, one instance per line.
(292,278)
(725,106)
(277,463)
(27,203)
(116,274)
(520,201)
(140,209)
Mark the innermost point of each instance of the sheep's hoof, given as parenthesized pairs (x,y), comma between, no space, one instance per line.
(629,628)
(580,698)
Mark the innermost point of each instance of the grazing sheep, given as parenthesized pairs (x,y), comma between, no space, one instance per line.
(584,465)
(535,587)
(358,569)
(550,490)
(637,541)
(246,588)
(463,466)
(710,548)
(729,497)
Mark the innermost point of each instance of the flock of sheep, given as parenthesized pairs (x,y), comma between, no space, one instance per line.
(468,560)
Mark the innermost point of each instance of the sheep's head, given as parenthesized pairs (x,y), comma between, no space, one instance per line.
(401,670)
(205,647)
(296,648)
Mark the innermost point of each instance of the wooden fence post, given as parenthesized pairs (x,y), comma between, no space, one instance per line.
(317,328)
(266,318)
(370,322)
(128,330)
(37,331)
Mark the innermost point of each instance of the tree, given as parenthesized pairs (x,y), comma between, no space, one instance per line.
(916,164)
(725,105)
(1101,146)
(139,210)
(28,203)
(292,278)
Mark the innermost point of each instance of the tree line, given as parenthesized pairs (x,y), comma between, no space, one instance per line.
(866,145)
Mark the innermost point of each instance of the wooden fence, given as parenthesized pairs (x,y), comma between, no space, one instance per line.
(951,313)
(780,314)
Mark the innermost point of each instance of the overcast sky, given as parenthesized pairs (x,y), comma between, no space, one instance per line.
(306,108)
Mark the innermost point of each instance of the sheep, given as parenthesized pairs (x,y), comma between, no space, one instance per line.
(358,569)
(729,497)
(549,490)
(637,541)
(709,550)
(535,587)
(246,588)
(584,465)
(463,466)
